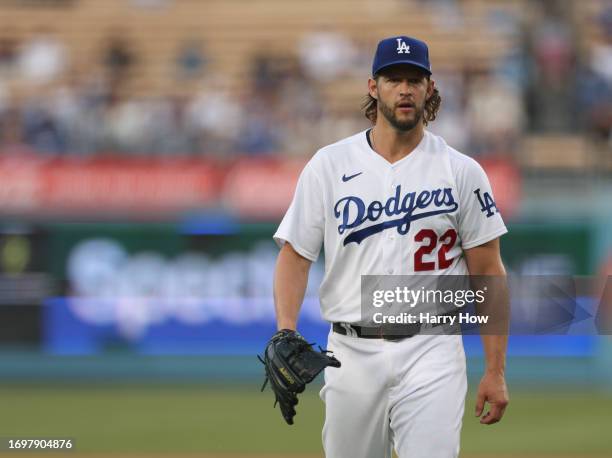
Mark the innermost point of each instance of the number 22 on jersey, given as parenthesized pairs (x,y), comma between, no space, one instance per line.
(443,244)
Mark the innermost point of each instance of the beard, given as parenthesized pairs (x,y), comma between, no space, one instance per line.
(401,125)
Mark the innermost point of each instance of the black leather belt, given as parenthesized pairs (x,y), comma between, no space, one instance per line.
(397,332)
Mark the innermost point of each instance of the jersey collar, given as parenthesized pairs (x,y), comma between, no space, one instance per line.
(366,145)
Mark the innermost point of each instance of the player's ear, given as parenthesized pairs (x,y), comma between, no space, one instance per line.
(431,85)
(372,88)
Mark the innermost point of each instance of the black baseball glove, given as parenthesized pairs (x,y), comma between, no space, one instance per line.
(290,364)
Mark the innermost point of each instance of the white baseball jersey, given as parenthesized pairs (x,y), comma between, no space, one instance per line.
(377,218)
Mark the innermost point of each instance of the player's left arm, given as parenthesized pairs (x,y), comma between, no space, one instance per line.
(485,260)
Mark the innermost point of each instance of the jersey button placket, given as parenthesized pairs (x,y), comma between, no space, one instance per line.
(387,238)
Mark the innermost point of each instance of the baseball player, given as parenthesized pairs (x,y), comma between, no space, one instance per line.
(392,200)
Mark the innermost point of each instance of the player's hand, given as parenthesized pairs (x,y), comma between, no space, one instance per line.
(492,390)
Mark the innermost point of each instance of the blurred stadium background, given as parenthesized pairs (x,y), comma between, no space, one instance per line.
(148,148)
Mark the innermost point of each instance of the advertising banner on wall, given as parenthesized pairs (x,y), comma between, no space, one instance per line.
(102,187)
(251,188)
(178,294)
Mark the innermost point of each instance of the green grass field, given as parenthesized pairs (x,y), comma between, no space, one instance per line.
(241,421)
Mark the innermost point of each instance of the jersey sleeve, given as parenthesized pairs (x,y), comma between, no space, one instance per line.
(479,218)
(303,225)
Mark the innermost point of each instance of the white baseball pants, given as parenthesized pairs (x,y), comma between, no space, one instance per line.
(407,394)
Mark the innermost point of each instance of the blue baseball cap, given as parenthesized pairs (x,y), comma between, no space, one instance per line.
(401,50)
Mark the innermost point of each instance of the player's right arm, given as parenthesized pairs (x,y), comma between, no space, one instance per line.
(290,280)
(300,237)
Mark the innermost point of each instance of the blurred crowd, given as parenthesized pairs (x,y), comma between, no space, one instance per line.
(546,83)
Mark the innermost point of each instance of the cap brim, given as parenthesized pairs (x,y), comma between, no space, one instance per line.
(405,62)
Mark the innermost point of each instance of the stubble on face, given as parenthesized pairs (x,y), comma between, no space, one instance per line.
(402,125)
(405,121)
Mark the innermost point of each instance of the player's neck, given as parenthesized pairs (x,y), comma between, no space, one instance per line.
(394,145)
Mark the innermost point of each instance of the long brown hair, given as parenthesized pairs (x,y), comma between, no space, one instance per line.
(432,105)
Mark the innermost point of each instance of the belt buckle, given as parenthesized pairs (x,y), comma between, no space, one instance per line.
(395,333)
(392,338)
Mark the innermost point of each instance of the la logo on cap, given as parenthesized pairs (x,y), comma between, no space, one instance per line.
(402,47)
